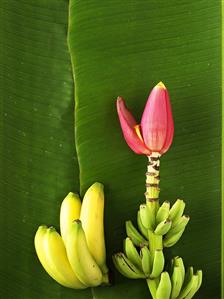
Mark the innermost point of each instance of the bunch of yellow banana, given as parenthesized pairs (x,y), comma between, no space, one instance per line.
(77,258)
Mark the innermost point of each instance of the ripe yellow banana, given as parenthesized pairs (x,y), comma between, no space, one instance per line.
(70,210)
(80,258)
(52,255)
(92,218)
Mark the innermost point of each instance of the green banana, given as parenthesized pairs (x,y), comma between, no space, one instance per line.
(152,285)
(80,258)
(163,212)
(132,253)
(164,287)
(70,210)
(52,255)
(146,260)
(141,227)
(179,225)
(177,282)
(171,240)
(193,289)
(178,262)
(92,218)
(188,283)
(124,268)
(163,227)
(153,207)
(177,210)
(134,235)
(200,275)
(158,263)
(146,217)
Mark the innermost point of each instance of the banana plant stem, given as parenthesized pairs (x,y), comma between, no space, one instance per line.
(152,177)
(155,242)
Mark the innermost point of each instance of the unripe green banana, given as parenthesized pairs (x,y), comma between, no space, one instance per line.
(80,258)
(173,239)
(158,263)
(141,227)
(178,262)
(188,283)
(152,284)
(146,260)
(177,282)
(164,287)
(200,275)
(132,253)
(153,206)
(132,266)
(163,227)
(52,254)
(193,289)
(163,212)
(177,210)
(146,217)
(92,217)
(134,235)
(70,210)
(179,225)
(124,268)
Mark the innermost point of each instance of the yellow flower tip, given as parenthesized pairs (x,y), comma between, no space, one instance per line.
(161,85)
(138,132)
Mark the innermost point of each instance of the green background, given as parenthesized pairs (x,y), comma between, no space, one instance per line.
(117,48)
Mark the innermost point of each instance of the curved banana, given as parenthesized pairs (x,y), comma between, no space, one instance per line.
(141,227)
(171,240)
(134,235)
(132,253)
(152,284)
(80,258)
(163,212)
(146,260)
(124,268)
(146,217)
(188,283)
(177,210)
(92,217)
(193,289)
(163,227)
(70,210)
(179,225)
(178,262)
(153,206)
(164,287)
(158,263)
(200,276)
(52,254)
(176,281)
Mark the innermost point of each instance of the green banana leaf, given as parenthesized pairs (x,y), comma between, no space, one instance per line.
(117,48)
(125,48)
(38,161)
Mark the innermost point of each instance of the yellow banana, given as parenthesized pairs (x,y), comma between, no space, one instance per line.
(80,258)
(52,255)
(92,218)
(70,210)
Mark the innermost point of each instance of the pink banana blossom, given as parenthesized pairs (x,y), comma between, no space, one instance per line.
(155,133)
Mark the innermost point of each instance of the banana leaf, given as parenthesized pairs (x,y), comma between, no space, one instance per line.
(124,48)
(38,161)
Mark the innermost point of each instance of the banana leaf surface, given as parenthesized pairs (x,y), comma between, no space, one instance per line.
(124,48)
(117,48)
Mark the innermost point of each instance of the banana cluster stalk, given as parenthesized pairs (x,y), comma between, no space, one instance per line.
(76,258)
(158,226)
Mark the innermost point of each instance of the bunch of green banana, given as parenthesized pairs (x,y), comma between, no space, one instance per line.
(176,285)
(78,258)
(167,222)
(134,264)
